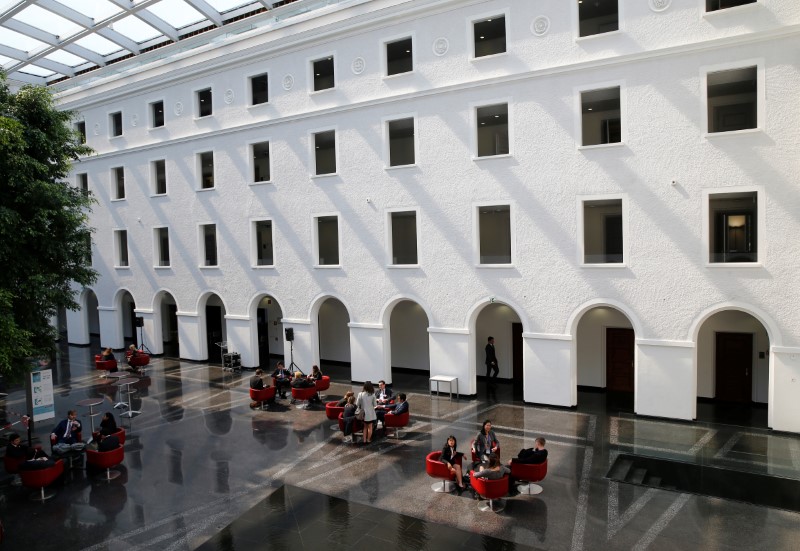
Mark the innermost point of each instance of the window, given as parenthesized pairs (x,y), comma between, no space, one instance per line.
(204,108)
(261,169)
(597,17)
(403,230)
(209,236)
(263,234)
(159,177)
(80,128)
(325,153)
(121,241)
(115,124)
(119,182)
(714,5)
(732,100)
(398,57)
(733,235)
(601,121)
(88,256)
(259,89)
(328,240)
(401,142)
(490,36)
(492,124)
(602,231)
(206,161)
(162,246)
(83,183)
(323,73)
(157,114)
(494,230)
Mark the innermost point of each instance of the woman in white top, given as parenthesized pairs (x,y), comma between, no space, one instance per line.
(366,401)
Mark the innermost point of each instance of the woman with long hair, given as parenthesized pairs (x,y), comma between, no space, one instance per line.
(452,458)
(486,442)
(366,402)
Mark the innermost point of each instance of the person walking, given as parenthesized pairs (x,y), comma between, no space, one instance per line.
(491,360)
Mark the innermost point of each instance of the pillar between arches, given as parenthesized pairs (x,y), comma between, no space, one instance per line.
(239,339)
(110,328)
(191,333)
(450,356)
(78,327)
(367,359)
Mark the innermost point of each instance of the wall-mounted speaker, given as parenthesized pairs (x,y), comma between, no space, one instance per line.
(289,333)
(139,321)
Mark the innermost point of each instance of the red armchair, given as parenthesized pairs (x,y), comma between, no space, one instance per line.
(105,365)
(263,395)
(323,384)
(41,478)
(390,420)
(358,426)
(304,394)
(120,434)
(530,474)
(139,360)
(106,460)
(491,490)
(332,412)
(12,464)
(436,469)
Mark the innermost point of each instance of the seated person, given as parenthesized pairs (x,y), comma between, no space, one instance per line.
(341,403)
(349,417)
(493,470)
(301,382)
(531,456)
(256,381)
(108,443)
(108,355)
(108,425)
(450,457)
(66,434)
(384,395)
(397,409)
(16,449)
(316,374)
(283,379)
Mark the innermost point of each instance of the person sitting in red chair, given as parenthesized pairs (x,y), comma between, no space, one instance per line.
(396,409)
(531,456)
(66,434)
(283,379)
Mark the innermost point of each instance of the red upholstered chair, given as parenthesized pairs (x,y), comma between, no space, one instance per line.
(12,464)
(139,360)
(323,384)
(332,412)
(304,394)
(120,434)
(104,365)
(492,490)
(390,420)
(436,469)
(41,478)
(475,457)
(263,395)
(530,474)
(106,460)
(358,426)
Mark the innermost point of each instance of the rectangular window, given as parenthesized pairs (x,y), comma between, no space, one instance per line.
(328,240)
(714,5)
(206,161)
(209,234)
(325,152)
(601,119)
(204,108)
(80,128)
(122,247)
(157,114)
(401,142)
(490,36)
(115,124)
(259,89)
(734,227)
(159,176)
(494,230)
(323,73)
(598,17)
(602,232)
(83,183)
(119,182)
(404,237)
(398,57)
(263,233)
(732,100)
(88,256)
(492,124)
(162,246)
(261,169)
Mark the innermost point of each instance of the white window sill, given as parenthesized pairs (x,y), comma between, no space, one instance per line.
(122,267)
(156,128)
(494,266)
(603,265)
(203,118)
(712,135)
(395,167)
(112,138)
(263,266)
(326,175)
(601,146)
(402,266)
(736,10)
(206,189)
(118,199)
(580,39)
(157,195)
(327,266)
(317,92)
(398,75)
(215,267)
(723,265)
(258,105)
(261,183)
(162,267)
(473,59)
(486,157)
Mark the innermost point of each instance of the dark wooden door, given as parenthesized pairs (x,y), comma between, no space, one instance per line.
(263,338)
(516,352)
(734,367)
(619,359)
(214,333)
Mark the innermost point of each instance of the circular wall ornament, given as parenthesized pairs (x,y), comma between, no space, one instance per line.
(229,96)
(440,46)
(659,5)
(178,108)
(540,25)
(288,82)
(134,120)
(358,65)
(97,129)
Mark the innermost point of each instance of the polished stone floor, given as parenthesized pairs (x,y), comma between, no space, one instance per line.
(202,470)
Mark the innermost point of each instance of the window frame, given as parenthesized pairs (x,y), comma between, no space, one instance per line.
(476,233)
(197,103)
(201,236)
(733,9)
(112,125)
(576,22)
(118,232)
(250,77)
(199,170)
(474,145)
(312,77)
(581,229)
(254,243)
(158,251)
(761,110)
(389,237)
(385,57)
(387,148)
(154,178)
(760,210)
(316,241)
(114,195)
(82,178)
(313,151)
(623,113)
(151,114)
(80,128)
(481,18)
(251,164)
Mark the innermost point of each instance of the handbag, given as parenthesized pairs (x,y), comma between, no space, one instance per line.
(359,409)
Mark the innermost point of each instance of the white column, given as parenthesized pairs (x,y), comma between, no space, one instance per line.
(666,379)
(452,355)
(110,328)
(191,333)
(240,339)
(783,411)
(367,361)
(77,327)
(550,370)
(152,327)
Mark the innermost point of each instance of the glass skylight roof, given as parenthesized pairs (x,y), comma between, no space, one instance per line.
(48,41)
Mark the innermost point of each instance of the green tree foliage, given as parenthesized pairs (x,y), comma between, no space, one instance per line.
(45,239)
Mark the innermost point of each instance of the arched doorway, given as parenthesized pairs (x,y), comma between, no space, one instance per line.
(500,321)
(605,355)
(167,309)
(92,314)
(213,310)
(733,369)
(127,312)
(333,336)
(267,327)
(408,338)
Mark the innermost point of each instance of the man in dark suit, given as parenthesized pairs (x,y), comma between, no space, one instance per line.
(532,456)
(66,432)
(491,360)
(398,409)
(384,394)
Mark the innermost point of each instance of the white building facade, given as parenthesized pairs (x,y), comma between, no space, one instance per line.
(612,195)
